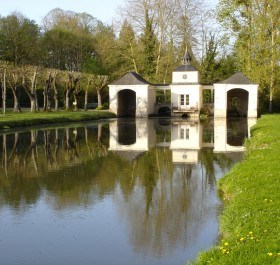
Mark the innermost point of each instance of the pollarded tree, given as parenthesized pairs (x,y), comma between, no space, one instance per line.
(99,83)
(3,82)
(29,77)
(71,80)
(14,81)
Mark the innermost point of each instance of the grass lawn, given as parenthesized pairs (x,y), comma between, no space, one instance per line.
(12,120)
(250,223)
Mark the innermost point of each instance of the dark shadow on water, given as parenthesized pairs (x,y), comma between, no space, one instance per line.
(237,131)
(127,132)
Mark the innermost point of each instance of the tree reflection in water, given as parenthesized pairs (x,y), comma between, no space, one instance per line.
(165,200)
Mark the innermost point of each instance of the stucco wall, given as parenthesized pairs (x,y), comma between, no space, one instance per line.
(194,91)
(220,99)
(192,77)
(144,105)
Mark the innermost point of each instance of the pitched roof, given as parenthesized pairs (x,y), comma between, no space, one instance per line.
(184,68)
(238,79)
(131,78)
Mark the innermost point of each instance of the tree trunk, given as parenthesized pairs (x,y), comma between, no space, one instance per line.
(4,90)
(99,101)
(86,100)
(75,103)
(67,99)
(17,107)
(32,104)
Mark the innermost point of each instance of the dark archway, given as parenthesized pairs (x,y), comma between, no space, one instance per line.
(185,116)
(164,112)
(237,102)
(126,103)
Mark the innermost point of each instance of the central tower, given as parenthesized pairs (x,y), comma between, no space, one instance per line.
(186,92)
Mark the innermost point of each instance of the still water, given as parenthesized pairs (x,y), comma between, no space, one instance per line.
(123,192)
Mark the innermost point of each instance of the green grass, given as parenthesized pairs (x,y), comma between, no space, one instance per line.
(12,120)
(250,223)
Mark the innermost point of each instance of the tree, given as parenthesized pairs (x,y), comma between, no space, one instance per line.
(3,81)
(100,82)
(71,80)
(19,40)
(149,42)
(128,46)
(68,39)
(255,25)
(14,83)
(29,75)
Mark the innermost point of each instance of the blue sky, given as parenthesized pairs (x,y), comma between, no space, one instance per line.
(103,10)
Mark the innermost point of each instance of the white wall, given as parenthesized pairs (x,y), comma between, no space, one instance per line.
(220,99)
(144,104)
(194,91)
(192,77)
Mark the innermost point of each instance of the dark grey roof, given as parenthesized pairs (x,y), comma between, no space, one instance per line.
(187,58)
(131,78)
(238,79)
(184,68)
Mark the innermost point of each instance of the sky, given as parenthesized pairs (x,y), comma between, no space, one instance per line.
(104,10)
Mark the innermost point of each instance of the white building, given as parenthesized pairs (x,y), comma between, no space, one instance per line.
(133,96)
(186,92)
(236,95)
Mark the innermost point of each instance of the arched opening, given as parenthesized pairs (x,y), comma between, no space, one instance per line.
(126,103)
(185,116)
(164,112)
(127,132)
(237,103)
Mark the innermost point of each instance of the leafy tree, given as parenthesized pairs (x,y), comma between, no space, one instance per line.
(149,45)
(19,40)
(255,25)
(129,48)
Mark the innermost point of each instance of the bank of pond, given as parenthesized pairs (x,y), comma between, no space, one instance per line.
(250,223)
(24,119)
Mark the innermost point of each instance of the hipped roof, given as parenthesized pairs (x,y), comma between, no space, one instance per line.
(238,79)
(131,78)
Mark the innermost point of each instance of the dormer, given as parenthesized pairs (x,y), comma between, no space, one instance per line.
(185,73)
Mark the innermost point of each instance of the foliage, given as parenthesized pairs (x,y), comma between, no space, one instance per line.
(19,40)
(255,26)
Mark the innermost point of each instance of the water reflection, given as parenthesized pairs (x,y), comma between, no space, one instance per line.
(143,188)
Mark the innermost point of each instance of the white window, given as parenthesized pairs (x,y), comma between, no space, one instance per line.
(184,100)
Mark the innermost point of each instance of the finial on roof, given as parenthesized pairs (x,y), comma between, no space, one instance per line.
(187,58)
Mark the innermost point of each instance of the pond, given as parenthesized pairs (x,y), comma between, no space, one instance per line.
(128,191)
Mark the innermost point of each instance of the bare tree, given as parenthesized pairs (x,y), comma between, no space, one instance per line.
(14,82)
(29,81)
(4,87)
(100,82)
(72,80)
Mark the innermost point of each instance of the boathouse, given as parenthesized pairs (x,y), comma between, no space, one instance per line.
(133,96)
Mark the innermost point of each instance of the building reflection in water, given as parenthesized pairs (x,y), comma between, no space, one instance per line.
(160,175)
